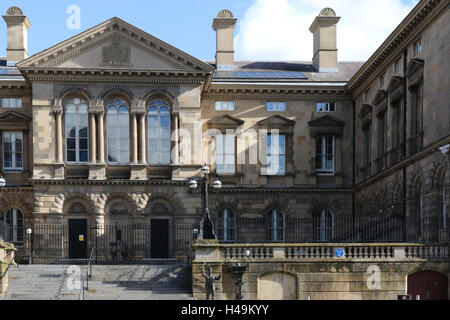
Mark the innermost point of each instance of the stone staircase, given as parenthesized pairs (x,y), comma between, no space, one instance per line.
(38,282)
(118,282)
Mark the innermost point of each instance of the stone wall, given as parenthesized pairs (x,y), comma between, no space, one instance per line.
(368,277)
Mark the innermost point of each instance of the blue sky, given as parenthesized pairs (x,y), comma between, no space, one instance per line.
(267,29)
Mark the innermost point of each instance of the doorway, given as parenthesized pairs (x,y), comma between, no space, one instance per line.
(430,285)
(159,239)
(77,239)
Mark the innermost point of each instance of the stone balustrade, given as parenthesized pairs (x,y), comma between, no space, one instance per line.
(319,271)
(314,252)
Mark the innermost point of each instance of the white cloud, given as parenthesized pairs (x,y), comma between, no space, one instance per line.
(279,29)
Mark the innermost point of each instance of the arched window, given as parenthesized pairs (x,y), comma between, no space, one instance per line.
(77,132)
(445,219)
(325,225)
(159,208)
(225,225)
(118,132)
(159,133)
(13,218)
(275,226)
(118,208)
(77,208)
(418,217)
(397,202)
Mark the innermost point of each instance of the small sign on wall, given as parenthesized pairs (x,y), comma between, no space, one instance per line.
(339,253)
(81,238)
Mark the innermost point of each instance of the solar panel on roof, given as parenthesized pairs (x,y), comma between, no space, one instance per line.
(259,75)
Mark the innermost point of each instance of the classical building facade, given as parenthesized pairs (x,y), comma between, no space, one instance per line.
(108,127)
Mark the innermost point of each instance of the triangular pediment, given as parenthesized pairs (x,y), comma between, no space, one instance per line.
(226,121)
(380,96)
(327,121)
(365,110)
(115,44)
(13,116)
(395,82)
(277,120)
(415,65)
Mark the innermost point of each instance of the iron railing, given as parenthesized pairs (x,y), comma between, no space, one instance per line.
(114,244)
(338,230)
(87,275)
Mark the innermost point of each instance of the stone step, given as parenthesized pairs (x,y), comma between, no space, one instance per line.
(124,282)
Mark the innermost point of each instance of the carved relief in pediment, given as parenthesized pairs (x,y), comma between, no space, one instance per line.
(117,54)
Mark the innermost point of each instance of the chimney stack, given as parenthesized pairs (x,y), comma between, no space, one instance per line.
(325,45)
(17,29)
(224,26)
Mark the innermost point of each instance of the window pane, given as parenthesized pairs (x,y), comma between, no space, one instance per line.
(83,156)
(71,156)
(71,144)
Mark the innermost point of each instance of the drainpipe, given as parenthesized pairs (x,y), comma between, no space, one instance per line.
(354,166)
(405,120)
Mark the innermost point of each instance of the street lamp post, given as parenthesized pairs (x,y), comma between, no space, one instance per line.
(206,231)
(30,259)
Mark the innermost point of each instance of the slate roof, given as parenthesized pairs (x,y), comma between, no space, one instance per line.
(291,71)
(9,73)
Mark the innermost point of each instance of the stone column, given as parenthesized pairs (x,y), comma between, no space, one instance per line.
(176,155)
(134,139)
(59,137)
(101,138)
(92,138)
(143,144)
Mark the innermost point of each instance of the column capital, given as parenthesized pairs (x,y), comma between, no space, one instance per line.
(57,110)
(96,110)
(137,111)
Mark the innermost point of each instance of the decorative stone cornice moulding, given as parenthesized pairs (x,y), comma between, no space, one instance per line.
(426,152)
(413,24)
(277,93)
(115,76)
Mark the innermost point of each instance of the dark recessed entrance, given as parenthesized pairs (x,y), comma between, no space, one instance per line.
(429,285)
(77,239)
(159,239)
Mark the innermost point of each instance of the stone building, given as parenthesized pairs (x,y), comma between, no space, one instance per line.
(107,128)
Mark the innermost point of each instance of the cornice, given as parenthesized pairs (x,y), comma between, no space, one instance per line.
(426,152)
(415,22)
(276,93)
(115,76)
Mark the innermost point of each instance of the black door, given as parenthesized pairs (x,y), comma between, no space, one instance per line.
(78,239)
(160,239)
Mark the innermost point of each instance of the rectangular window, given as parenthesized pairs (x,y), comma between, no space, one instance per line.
(276,106)
(325,155)
(326,107)
(276,155)
(381,134)
(224,106)
(396,123)
(367,144)
(13,151)
(382,81)
(225,154)
(367,96)
(417,47)
(398,66)
(416,110)
(11,103)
